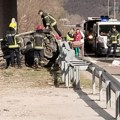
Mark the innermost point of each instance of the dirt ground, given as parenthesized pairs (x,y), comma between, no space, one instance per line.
(27,94)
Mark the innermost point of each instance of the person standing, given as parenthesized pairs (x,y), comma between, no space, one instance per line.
(70,35)
(77,43)
(113,41)
(6,53)
(49,21)
(39,38)
(13,45)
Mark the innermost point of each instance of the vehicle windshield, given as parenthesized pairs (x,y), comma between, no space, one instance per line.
(104,29)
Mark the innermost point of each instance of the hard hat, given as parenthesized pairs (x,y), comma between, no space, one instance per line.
(12,25)
(39,27)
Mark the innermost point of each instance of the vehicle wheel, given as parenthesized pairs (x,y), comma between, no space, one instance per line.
(48,52)
(98,53)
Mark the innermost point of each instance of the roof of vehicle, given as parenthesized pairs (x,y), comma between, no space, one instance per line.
(110,22)
(93,18)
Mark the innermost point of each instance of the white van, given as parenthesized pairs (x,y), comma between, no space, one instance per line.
(100,32)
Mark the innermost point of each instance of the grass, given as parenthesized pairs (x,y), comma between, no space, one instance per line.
(26,77)
(31,77)
(87,82)
(7,73)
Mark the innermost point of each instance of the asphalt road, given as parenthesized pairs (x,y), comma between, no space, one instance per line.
(111,65)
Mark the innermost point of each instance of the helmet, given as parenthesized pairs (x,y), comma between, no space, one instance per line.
(39,27)
(12,25)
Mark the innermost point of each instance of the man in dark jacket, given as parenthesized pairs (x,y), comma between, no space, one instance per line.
(6,53)
(49,21)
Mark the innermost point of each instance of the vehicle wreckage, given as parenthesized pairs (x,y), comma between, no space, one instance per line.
(51,49)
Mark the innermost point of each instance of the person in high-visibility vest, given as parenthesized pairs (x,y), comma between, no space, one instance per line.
(49,21)
(70,35)
(39,38)
(113,41)
(13,45)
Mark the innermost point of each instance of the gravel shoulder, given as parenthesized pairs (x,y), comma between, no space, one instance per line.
(31,95)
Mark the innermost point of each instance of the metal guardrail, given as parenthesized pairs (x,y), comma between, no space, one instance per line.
(111,84)
(71,67)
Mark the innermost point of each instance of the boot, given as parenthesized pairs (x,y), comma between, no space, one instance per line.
(36,62)
(42,63)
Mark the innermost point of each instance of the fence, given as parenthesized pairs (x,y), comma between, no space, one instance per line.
(71,67)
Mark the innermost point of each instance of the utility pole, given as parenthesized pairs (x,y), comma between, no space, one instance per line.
(114,9)
(108,7)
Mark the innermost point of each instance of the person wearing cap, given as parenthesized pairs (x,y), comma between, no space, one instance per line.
(113,41)
(49,21)
(39,37)
(13,45)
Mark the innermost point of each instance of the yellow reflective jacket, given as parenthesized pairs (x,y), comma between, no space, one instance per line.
(70,36)
(39,38)
(11,40)
(113,36)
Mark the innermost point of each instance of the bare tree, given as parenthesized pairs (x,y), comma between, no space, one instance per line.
(28,17)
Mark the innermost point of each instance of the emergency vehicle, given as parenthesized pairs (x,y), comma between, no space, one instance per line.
(88,28)
(100,32)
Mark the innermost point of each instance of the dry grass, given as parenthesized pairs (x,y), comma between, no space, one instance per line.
(25,78)
(86,80)
(28,17)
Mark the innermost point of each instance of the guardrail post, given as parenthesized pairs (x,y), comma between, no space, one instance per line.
(93,79)
(70,75)
(100,85)
(63,70)
(77,78)
(66,74)
(119,104)
(74,76)
(108,94)
(117,97)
